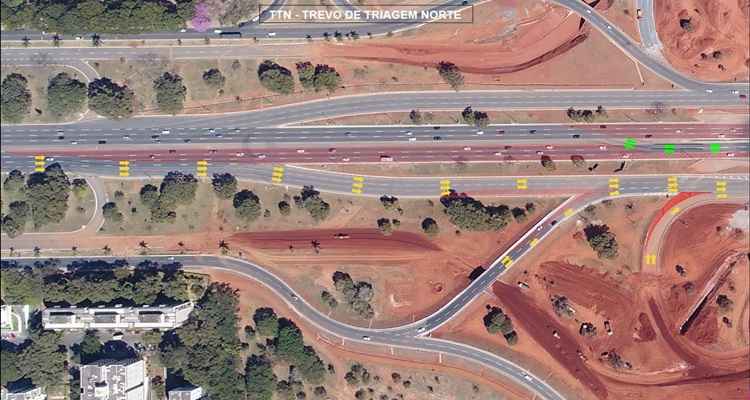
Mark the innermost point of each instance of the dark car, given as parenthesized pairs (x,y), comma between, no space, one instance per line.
(500,131)
(532,131)
(553,223)
(102,142)
(576,136)
(436,138)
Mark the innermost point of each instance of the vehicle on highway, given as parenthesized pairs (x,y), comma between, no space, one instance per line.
(553,223)
(61,137)
(212,151)
(539,153)
(126,137)
(240,154)
(212,131)
(436,138)
(409,133)
(294,297)
(73,142)
(152,156)
(186,140)
(722,136)
(332,150)
(172,151)
(649,136)
(533,131)
(436,127)
(730,154)
(467,148)
(218,135)
(480,133)
(602,147)
(102,142)
(603,126)
(527,377)
(576,136)
(386,158)
(709,91)
(183,30)
(217,30)
(301,151)
(500,132)
(678,131)
(345,159)
(49,159)
(549,147)
(412,139)
(508,147)
(348,134)
(117,336)
(421,329)
(271,34)
(341,236)
(743,96)
(735,92)
(366,338)
(165,132)
(499,153)
(261,156)
(626,155)
(155,136)
(609,27)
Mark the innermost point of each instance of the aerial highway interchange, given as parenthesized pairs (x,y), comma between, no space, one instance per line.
(252,145)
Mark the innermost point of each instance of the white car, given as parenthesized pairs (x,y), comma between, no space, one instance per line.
(421,329)
(412,139)
(409,133)
(345,159)
(73,142)
(602,147)
(730,154)
(527,377)
(626,155)
(183,30)
(261,156)
(212,131)
(588,11)
(165,132)
(217,31)
(301,151)
(240,154)
(271,34)
(539,152)
(467,148)
(549,147)
(126,137)
(709,91)
(735,92)
(366,338)
(480,133)
(50,159)
(499,153)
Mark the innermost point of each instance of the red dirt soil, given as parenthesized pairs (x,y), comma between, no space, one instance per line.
(493,44)
(359,239)
(715,26)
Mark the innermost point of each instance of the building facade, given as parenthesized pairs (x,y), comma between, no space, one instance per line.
(32,393)
(186,393)
(114,380)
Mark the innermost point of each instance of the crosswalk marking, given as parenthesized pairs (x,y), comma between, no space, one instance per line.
(358,184)
(721,189)
(651,259)
(533,242)
(507,261)
(673,185)
(522,183)
(675,210)
(445,187)
(124,168)
(568,212)
(278,174)
(201,167)
(614,185)
(39,163)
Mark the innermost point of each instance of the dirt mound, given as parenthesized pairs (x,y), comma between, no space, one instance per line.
(706,38)
(645,332)
(705,329)
(370,240)
(538,323)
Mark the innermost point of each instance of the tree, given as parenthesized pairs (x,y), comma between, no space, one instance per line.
(472,215)
(389,202)
(495,321)
(10,370)
(450,74)
(214,78)
(47,194)
(14,222)
(16,98)
(430,227)
(601,240)
(15,182)
(90,347)
(578,161)
(266,321)
(519,214)
(225,185)
(326,78)
(306,74)
(80,187)
(111,213)
(385,226)
(724,302)
(178,188)
(548,163)
(65,95)
(284,208)
(327,298)
(247,205)
(310,200)
(275,78)
(415,116)
(43,361)
(170,93)
(149,194)
(111,100)
(260,381)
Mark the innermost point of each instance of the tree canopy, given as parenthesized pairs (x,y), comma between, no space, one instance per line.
(275,77)
(111,100)
(47,195)
(472,215)
(65,95)
(224,185)
(247,205)
(214,78)
(602,241)
(16,98)
(170,93)
(450,74)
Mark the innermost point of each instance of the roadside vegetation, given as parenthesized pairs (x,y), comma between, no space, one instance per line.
(356,295)
(498,322)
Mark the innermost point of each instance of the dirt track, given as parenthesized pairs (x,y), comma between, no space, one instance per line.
(362,239)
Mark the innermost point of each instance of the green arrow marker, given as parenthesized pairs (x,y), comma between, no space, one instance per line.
(715,148)
(669,149)
(630,144)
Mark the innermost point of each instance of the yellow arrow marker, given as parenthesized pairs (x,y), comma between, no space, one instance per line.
(124,168)
(445,187)
(201,167)
(614,184)
(278,174)
(522,183)
(533,242)
(721,189)
(672,185)
(39,163)
(358,184)
(651,259)
(675,210)
(568,212)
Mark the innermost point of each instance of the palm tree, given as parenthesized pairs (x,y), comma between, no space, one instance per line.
(316,246)
(37,250)
(107,250)
(142,244)
(56,40)
(11,250)
(25,42)
(96,40)
(74,249)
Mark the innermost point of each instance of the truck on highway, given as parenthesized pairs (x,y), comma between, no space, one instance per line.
(385,158)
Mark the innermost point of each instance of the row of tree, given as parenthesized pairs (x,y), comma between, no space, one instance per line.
(83,16)
(278,78)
